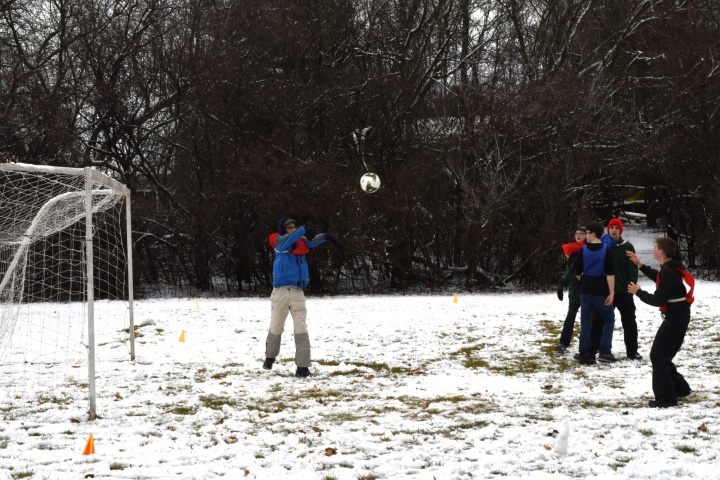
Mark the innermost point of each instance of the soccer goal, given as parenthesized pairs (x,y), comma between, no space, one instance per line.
(65,264)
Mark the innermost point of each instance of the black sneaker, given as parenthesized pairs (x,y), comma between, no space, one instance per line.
(656,404)
(268,363)
(585,360)
(607,358)
(576,356)
(560,349)
(635,356)
(302,372)
(685,394)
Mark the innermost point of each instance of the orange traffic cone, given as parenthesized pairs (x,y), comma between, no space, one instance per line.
(89,446)
(455,299)
(182,336)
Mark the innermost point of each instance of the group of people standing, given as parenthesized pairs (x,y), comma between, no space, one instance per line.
(601,274)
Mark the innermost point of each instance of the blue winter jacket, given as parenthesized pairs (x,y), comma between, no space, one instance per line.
(292,270)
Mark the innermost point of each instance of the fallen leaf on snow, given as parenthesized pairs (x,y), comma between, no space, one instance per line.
(547,447)
(329,451)
(703,428)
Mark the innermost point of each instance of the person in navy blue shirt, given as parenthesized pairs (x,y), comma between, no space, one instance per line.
(595,270)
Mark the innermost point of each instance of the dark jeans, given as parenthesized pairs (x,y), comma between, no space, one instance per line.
(626,306)
(667,383)
(569,324)
(589,304)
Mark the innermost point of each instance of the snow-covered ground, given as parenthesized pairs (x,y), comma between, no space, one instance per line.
(413,387)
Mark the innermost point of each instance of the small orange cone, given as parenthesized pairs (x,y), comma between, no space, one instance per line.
(182,336)
(455,299)
(89,446)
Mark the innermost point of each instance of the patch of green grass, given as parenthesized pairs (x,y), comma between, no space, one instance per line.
(25,474)
(217,402)
(471,425)
(354,371)
(327,363)
(117,466)
(590,404)
(368,476)
(55,400)
(553,328)
(620,463)
(450,399)
(471,360)
(182,409)
(220,375)
(138,333)
(519,365)
(686,449)
(646,432)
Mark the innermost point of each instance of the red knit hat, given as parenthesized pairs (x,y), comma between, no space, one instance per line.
(617,222)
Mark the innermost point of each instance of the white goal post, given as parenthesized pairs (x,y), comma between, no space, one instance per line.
(60,231)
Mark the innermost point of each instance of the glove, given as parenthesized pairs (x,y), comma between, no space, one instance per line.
(560,292)
(332,238)
(310,231)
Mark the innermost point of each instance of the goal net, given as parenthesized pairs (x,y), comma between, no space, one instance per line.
(65,267)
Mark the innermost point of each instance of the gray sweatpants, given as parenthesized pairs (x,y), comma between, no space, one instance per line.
(284,300)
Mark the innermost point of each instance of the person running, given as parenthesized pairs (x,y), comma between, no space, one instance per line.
(674,301)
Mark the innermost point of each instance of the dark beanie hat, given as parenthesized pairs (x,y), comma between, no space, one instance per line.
(284,222)
(617,222)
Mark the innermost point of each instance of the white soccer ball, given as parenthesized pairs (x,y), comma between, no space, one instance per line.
(370,182)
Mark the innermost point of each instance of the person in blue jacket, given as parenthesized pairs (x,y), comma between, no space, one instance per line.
(596,273)
(290,276)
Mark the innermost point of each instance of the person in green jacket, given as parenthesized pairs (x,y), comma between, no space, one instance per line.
(626,272)
(674,301)
(570,281)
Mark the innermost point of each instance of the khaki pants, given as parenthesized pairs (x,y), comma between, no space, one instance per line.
(284,300)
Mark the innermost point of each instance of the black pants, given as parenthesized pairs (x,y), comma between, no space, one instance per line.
(667,383)
(626,306)
(569,324)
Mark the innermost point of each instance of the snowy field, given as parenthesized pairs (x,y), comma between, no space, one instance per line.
(414,387)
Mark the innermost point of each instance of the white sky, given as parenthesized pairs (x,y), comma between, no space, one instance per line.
(414,387)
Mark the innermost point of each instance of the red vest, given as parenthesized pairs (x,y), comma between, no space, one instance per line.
(688,279)
(300,249)
(573,247)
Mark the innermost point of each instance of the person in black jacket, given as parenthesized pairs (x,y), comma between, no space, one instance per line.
(569,280)
(674,302)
